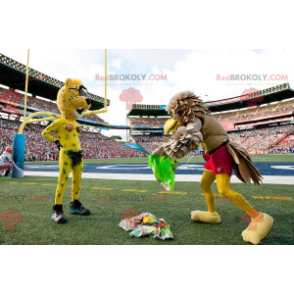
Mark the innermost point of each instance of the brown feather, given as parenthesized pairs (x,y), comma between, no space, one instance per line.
(189,100)
(245,170)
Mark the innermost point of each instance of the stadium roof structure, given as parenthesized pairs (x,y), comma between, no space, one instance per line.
(9,107)
(148,110)
(13,73)
(248,100)
(253,99)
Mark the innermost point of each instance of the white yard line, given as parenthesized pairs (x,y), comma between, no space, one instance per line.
(276,180)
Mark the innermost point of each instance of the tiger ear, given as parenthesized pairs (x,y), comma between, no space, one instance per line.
(68,83)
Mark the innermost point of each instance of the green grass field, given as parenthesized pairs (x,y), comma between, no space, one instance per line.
(196,159)
(102,226)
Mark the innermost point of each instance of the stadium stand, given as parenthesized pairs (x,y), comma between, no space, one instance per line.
(148,142)
(249,115)
(94,144)
(284,146)
(38,104)
(147,122)
(257,139)
(260,129)
(10,96)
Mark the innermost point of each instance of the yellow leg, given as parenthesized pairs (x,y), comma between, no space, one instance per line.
(261,223)
(207,179)
(64,171)
(223,186)
(210,216)
(258,229)
(76,181)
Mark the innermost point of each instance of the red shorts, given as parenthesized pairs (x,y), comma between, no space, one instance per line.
(219,162)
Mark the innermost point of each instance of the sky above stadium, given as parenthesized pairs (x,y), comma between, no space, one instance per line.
(159,74)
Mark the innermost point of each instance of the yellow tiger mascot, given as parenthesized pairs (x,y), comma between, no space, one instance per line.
(72,102)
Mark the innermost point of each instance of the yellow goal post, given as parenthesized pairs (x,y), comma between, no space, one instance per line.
(50,116)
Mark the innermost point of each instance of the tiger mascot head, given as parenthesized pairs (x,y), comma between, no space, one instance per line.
(72,99)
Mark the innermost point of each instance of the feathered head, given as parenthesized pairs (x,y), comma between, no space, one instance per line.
(185,104)
(183,107)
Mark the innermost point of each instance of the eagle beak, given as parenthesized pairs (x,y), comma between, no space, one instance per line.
(171,125)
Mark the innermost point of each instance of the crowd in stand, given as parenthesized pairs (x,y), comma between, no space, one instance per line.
(256,113)
(36,147)
(281,150)
(10,96)
(259,140)
(286,146)
(94,145)
(41,104)
(146,122)
(51,106)
(148,143)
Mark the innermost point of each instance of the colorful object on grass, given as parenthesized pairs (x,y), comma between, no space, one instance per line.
(163,169)
(147,224)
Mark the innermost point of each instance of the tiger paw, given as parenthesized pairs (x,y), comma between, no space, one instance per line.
(258,229)
(205,217)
